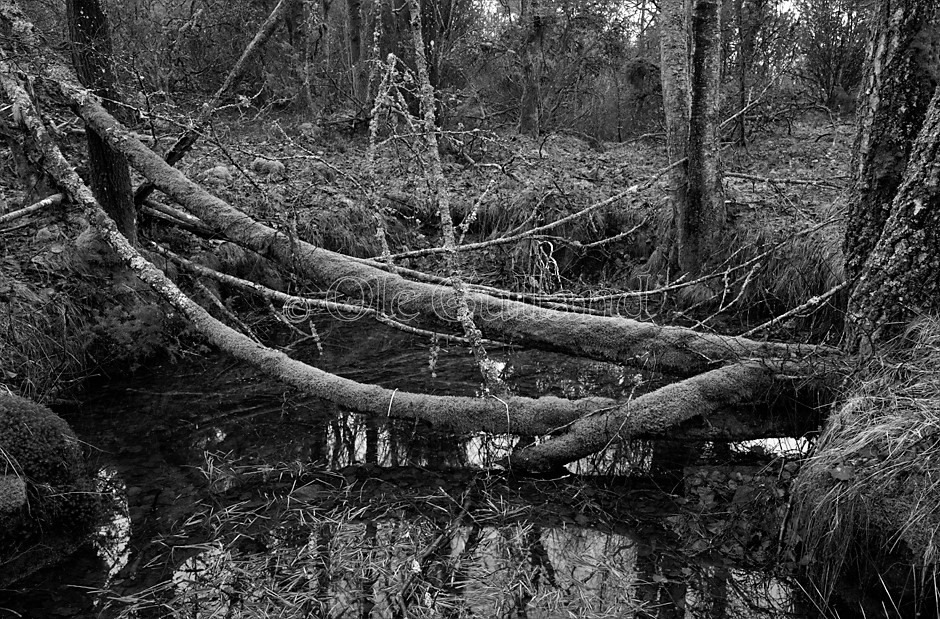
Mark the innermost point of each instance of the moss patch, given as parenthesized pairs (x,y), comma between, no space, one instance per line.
(45,490)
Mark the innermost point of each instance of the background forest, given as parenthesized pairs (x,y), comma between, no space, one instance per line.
(589,67)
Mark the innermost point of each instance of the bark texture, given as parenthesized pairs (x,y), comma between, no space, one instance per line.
(90,39)
(900,79)
(703,216)
(899,279)
(741,390)
(674,71)
(690,69)
(530,103)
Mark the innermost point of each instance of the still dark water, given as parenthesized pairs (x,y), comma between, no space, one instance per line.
(237,497)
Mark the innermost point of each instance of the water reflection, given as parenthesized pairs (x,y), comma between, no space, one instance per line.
(294,531)
(329,563)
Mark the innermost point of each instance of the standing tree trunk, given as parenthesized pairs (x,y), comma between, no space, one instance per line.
(890,244)
(674,53)
(690,94)
(90,39)
(899,278)
(529,112)
(899,81)
(704,214)
(746,28)
(358,73)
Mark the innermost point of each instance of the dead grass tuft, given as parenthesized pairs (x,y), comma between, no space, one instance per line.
(872,489)
(39,345)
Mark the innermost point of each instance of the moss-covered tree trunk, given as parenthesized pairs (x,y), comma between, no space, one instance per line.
(900,279)
(90,39)
(900,78)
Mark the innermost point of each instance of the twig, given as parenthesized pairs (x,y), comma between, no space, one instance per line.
(614,238)
(635,189)
(789,181)
(53,200)
(796,310)
(292,301)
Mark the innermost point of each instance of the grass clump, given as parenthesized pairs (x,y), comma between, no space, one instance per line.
(870,496)
(39,345)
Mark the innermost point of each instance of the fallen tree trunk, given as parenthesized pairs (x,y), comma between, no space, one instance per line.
(515,415)
(741,390)
(672,350)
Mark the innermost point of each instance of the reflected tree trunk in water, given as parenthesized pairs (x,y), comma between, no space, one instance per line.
(367,582)
(538,557)
(325,533)
(659,587)
(372,440)
(714,591)
(318,443)
(670,458)
(462,552)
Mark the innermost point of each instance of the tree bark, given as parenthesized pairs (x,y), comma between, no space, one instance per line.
(90,39)
(530,104)
(704,214)
(691,81)
(674,70)
(744,390)
(899,279)
(747,26)
(900,80)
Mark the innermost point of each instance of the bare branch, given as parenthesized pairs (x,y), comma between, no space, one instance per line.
(53,200)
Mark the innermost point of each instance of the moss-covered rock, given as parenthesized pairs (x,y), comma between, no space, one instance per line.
(46,491)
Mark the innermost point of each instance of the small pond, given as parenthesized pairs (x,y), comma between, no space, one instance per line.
(234,496)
